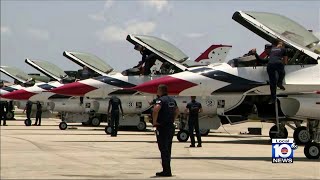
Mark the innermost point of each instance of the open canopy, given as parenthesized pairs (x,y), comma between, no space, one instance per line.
(15,73)
(274,26)
(47,68)
(162,48)
(91,61)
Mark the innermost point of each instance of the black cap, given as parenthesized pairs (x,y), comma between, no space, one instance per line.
(267,46)
(137,46)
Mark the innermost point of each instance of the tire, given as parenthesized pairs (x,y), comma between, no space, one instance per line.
(183,136)
(10,115)
(63,126)
(108,130)
(312,150)
(142,126)
(301,135)
(27,122)
(95,122)
(281,135)
(204,132)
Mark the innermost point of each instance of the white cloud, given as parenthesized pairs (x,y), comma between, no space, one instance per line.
(5,30)
(40,34)
(101,15)
(194,35)
(117,33)
(108,4)
(158,4)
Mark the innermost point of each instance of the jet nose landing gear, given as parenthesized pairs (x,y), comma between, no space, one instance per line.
(312,149)
(282,134)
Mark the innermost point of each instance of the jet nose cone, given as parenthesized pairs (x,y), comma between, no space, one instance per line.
(175,85)
(73,89)
(19,95)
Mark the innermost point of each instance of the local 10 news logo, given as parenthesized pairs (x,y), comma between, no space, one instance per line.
(282,150)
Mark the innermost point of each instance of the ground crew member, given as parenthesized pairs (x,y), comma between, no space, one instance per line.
(38,114)
(3,111)
(276,61)
(115,103)
(165,112)
(28,109)
(86,73)
(193,108)
(152,103)
(148,59)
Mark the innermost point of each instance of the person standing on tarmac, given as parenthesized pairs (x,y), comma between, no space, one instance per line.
(115,103)
(28,109)
(38,114)
(165,111)
(193,108)
(3,112)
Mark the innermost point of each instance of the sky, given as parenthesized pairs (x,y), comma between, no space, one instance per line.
(42,30)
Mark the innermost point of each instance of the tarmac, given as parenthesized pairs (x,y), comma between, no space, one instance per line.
(46,152)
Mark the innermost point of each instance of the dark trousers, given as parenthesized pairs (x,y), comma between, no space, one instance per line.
(3,117)
(28,113)
(38,117)
(272,69)
(114,122)
(164,140)
(193,124)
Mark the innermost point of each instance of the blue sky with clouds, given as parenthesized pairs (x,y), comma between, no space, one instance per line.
(42,30)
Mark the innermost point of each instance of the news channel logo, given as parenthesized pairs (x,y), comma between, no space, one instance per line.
(282,150)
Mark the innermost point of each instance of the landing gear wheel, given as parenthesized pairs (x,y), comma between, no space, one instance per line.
(183,136)
(282,134)
(204,132)
(27,122)
(301,135)
(108,130)
(95,122)
(10,115)
(63,126)
(142,126)
(312,150)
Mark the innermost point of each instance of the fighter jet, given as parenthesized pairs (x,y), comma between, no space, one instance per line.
(21,80)
(251,83)
(168,57)
(214,52)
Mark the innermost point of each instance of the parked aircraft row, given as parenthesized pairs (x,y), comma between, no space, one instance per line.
(231,91)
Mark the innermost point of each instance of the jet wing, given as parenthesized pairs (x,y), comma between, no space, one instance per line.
(91,61)
(15,73)
(162,48)
(273,26)
(47,68)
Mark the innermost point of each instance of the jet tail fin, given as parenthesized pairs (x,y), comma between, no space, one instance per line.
(214,54)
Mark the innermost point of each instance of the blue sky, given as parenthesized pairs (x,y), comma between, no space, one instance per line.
(42,30)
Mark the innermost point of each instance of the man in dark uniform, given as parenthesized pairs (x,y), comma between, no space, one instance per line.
(148,59)
(165,112)
(38,114)
(3,111)
(276,61)
(86,73)
(28,109)
(2,107)
(193,108)
(152,103)
(115,103)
